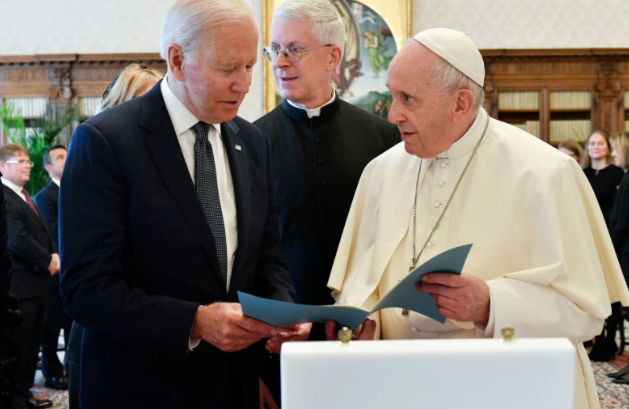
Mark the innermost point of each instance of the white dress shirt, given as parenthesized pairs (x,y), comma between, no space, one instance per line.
(183,122)
(17,189)
(56,181)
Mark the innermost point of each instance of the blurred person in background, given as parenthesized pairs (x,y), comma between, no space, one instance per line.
(604,176)
(132,82)
(572,149)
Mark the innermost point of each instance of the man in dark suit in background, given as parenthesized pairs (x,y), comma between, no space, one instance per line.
(10,317)
(166,212)
(47,202)
(35,260)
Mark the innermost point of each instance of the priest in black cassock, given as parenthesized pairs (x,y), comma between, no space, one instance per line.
(320,145)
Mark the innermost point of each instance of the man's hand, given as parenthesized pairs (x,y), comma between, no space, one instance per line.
(460,298)
(293,333)
(366,331)
(55,264)
(224,326)
(266,399)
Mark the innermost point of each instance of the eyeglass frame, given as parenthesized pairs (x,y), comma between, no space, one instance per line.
(22,162)
(286,54)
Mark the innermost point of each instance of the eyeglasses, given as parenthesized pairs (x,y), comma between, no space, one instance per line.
(293,53)
(21,162)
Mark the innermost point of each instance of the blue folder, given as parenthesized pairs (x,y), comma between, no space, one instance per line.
(404,295)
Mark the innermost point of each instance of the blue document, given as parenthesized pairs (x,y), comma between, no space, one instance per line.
(404,295)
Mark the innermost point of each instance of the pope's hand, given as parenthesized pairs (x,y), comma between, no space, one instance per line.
(224,326)
(293,333)
(460,298)
(366,331)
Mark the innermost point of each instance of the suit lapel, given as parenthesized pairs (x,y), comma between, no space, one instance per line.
(54,190)
(22,202)
(239,166)
(163,146)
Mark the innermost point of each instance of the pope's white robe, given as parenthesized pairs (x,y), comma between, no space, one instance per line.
(539,240)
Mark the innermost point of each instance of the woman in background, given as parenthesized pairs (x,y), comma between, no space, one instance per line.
(597,163)
(134,81)
(603,175)
(572,149)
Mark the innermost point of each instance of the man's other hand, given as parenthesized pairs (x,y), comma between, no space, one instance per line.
(458,297)
(293,333)
(366,331)
(266,399)
(224,326)
(55,264)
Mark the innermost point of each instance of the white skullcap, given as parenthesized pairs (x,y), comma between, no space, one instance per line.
(457,49)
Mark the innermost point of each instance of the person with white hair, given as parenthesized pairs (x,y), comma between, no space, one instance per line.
(320,146)
(166,212)
(461,177)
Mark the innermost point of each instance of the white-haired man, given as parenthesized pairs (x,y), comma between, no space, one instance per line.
(166,212)
(320,145)
(542,260)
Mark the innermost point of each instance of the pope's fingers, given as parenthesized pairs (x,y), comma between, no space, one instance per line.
(446,279)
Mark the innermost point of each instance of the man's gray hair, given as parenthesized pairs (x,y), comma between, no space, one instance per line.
(327,25)
(451,80)
(188,17)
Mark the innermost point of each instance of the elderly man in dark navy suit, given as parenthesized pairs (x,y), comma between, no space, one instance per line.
(56,319)
(167,211)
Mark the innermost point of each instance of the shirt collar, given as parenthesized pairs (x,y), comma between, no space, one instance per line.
(180,116)
(468,141)
(56,181)
(314,111)
(17,189)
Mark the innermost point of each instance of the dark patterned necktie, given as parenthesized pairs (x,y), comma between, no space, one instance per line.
(207,189)
(30,201)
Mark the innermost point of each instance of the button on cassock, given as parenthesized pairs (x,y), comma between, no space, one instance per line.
(441,183)
(437,204)
(443,164)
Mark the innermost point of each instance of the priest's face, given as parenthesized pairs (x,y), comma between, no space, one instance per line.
(423,113)
(306,81)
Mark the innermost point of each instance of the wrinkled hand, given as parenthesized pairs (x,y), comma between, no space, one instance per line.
(266,399)
(460,298)
(224,326)
(293,333)
(366,331)
(55,264)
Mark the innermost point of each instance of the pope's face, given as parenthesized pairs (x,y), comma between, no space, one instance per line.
(597,147)
(217,80)
(423,115)
(307,81)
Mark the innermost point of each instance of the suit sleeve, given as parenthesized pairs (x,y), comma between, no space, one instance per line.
(96,289)
(48,210)
(5,259)
(273,279)
(620,217)
(23,244)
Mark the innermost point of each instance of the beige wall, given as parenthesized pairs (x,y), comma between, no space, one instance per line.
(128,26)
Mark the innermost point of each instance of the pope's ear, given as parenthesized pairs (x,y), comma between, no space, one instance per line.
(464,103)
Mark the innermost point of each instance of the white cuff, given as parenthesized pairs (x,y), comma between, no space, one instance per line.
(488,331)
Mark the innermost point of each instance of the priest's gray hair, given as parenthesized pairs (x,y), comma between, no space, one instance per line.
(186,18)
(327,25)
(451,80)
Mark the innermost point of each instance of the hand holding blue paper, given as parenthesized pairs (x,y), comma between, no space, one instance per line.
(404,295)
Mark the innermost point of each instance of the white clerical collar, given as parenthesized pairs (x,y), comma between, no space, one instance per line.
(17,189)
(314,111)
(180,116)
(467,142)
(56,181)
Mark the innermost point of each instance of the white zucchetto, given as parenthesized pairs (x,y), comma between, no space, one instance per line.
(457,49)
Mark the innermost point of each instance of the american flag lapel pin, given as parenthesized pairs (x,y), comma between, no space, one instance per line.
(238,147)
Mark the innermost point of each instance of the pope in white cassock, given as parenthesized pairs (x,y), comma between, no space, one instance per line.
(542,261)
